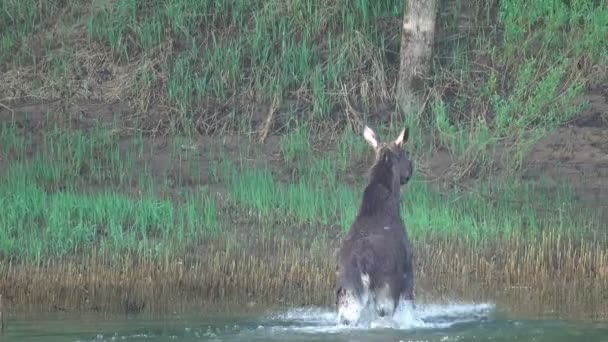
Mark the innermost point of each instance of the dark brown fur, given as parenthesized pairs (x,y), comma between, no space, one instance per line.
(377,243)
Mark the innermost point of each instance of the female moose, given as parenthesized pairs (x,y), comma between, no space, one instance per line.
(375,262)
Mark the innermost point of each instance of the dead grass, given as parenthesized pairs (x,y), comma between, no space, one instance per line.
(528,276)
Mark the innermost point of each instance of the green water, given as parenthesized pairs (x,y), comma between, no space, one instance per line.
(454,322)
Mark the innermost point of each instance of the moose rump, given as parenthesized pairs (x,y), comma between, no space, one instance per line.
(374,263)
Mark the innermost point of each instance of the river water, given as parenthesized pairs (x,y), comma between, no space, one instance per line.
(425,322)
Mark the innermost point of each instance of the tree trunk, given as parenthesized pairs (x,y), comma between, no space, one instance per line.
(416,52)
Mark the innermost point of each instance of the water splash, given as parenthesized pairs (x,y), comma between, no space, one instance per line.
(423,316)
(295,324)
(425,322)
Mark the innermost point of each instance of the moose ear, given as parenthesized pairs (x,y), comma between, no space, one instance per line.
(403,136)
(370,137)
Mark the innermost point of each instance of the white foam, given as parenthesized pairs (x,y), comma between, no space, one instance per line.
(423,316)
(317,320)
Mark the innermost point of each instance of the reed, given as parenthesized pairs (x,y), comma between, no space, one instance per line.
(552,271)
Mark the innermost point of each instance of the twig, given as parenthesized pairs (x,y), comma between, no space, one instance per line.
(12,120)
(1,316)
(352,117)
(276,103)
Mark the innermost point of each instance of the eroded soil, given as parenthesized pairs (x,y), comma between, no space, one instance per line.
(576,153)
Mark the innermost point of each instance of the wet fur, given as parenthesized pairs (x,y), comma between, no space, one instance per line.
(377,248)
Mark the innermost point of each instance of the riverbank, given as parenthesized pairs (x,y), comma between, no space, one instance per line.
(569,282)
(149,162)
(94,221)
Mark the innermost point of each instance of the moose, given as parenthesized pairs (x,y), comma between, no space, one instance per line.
(375,261)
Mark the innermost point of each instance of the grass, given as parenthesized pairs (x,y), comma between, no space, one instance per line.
(65,199)
(247,52)
(222,274)
(37,224)
(69,193)
(120,237)
(520,86)
(488,211)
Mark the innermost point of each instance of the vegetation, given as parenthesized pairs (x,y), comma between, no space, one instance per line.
(504,75)
(76,191)
(516,67)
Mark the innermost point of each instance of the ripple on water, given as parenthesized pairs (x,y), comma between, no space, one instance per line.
(309,323)
(423,316)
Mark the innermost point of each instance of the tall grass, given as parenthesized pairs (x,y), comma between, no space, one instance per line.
(84,190)
(68,192)
(484,213)
(517,275)
(520,85)
(104,247)
(513,71)
(491,210)
(204,53)
(35,224)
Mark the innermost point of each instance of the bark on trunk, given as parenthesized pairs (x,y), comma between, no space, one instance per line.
(416,51)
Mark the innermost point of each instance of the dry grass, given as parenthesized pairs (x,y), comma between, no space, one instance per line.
(553,273)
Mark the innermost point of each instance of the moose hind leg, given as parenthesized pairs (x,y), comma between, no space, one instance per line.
(350,307)
(384,300)
(351,304)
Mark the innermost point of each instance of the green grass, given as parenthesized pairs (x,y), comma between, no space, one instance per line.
(207,52)
(513,72)
(490,210)
(73,194)
(519,86)
(86,190)
(36,224)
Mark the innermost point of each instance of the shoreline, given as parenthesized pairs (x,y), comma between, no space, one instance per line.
(517,273)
